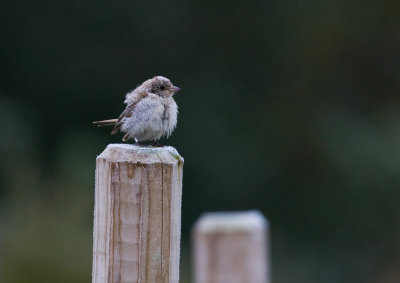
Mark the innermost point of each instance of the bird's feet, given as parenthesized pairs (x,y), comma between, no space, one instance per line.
(153,143)
(156,144)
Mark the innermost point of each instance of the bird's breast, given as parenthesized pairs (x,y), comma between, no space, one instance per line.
(169,116)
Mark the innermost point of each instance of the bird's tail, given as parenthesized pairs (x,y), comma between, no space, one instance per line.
(110,122)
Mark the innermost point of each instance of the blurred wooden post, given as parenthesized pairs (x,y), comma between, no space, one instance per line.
(231,247)
(137,216)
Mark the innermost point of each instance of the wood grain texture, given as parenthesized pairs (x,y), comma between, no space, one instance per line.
(231,247)
(137,215)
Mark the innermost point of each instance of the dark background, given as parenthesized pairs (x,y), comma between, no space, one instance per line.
(290,107)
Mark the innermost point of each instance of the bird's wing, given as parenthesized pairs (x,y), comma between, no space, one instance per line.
(132,99)
(125,114)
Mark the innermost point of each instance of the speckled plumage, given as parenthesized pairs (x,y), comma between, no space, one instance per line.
(150,113)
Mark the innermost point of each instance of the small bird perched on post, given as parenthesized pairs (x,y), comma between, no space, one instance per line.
(150,113)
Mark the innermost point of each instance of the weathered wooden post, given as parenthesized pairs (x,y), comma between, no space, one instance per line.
(137,217)
(231,247)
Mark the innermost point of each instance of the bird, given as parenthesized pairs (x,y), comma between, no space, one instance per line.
(151,112)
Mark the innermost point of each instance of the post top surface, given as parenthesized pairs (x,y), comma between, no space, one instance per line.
(133,153)
(231,222)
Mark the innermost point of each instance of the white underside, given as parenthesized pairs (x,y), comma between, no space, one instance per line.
(152,118)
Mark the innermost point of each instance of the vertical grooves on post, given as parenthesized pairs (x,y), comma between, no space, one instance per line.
(161,275)
(111,227)
(148,226)
(106,239)
(143,239)
(162,216)
(119,226)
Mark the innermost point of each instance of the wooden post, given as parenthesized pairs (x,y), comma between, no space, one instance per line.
(231,247)
(137,217)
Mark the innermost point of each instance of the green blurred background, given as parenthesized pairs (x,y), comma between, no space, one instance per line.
(290,107)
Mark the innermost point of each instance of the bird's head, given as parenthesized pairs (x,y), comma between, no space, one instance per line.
(161,86)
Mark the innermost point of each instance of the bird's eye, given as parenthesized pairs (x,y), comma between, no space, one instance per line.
(162,87)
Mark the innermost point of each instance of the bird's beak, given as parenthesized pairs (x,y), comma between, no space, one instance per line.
(176,89)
